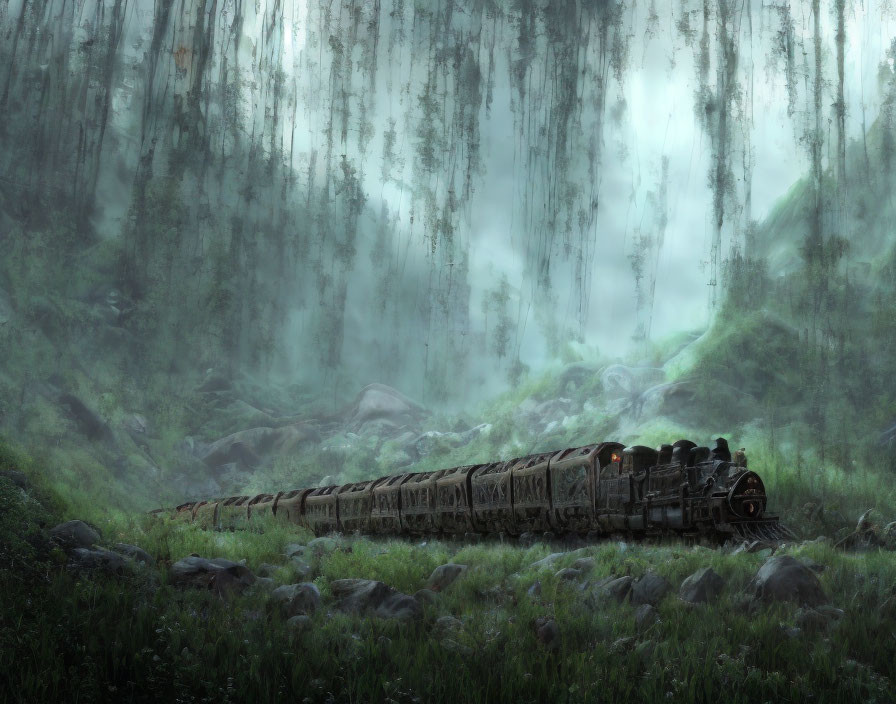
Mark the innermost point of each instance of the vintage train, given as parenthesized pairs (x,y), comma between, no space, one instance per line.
(604,488)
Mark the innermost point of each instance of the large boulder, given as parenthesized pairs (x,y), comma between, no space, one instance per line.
(380,402)
(702,586)
(295,599)
(218,575)
(367,595)
(99,560)
(74,534)
(444,575)
(617,589)
(88,421)
(251,447)
(135,553)
(783,578)
(650,589)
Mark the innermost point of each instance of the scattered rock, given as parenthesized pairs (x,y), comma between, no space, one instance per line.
(620,645)
(360,595)
(445,625)
(783,578)
(810,620)
(135,553)
(547,632)
(585,564)
(266,569)
(444,575)
(702,586)
(74,534)
(645,616)
(568,573)
(295,549)
(323,545)
(299,623)
(219,575)
(534,591)
(264,584)
(99,560)
(302,598)
(301,568)
(617,589)
(427,443)
(136,425)
(548,561)
(650,589)
(426,596)
(831,612)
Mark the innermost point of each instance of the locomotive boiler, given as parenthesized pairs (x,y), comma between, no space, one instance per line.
(601,489)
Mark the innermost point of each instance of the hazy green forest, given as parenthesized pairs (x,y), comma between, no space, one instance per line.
(253,246)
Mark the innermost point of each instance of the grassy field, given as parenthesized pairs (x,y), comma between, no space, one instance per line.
(70,637)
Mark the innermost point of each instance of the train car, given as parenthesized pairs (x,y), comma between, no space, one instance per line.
(320,512)
(354,502)
(532,493)
(492,490)
(418,503)
(385,513)
(454,502)
(260,505)
(575,486)
(288,505)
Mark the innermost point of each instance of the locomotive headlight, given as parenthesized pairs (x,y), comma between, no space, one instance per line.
(747,497)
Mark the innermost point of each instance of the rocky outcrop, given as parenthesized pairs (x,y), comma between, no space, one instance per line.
(444,575)
(701,587)
(650,589)
(218,575)
(251,447)
(98,560)
(378,402)
(370,596)
(134,553)
(296,599)
(783,578)
(74,534)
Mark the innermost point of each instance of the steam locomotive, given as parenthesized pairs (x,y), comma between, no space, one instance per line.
(605,488)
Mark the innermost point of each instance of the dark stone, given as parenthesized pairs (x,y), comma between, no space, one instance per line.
(618,589)
(444,575)
(74,534)
(360,595)
(547,632)
(568,573)
(135,553)
(650,589)
(783,578)
(702,586)
(98,560)
(295,599)
(218,575)
(645,617)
